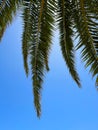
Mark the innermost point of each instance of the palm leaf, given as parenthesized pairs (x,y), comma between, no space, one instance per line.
(8,9)
(87,27)
(38,26)
(27,18)
(38,22)
(66,34)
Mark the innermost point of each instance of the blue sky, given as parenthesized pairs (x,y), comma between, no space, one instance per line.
(64,105)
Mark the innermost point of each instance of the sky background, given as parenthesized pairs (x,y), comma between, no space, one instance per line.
(64,105)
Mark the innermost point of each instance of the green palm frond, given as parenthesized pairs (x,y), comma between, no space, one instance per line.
(66,34)
(8,10)
(47,26)
(38,19)
(26,38)
(37,60)
(38,23)
(87,27)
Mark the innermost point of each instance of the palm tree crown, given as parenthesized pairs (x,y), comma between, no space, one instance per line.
(77,18)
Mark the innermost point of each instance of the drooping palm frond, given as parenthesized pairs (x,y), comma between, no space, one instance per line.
(37,34)
(86,22)
(38,22)
(66,34)
(27,18)
(8,10)
(47,26)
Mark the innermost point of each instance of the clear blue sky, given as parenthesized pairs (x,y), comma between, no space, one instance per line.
(64,105)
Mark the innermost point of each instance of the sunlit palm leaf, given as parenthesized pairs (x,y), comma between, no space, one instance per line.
(66,33)
(8,10)
(38,26)
(26,38)
(38,22)
(87,28)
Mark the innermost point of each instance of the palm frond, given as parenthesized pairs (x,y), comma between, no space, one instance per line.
(87,27)
(66,33)
(38,26)
(8,10)
(26,37)
(47,26)
(38,22)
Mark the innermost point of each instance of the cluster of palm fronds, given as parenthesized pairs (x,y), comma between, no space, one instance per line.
(74,17)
